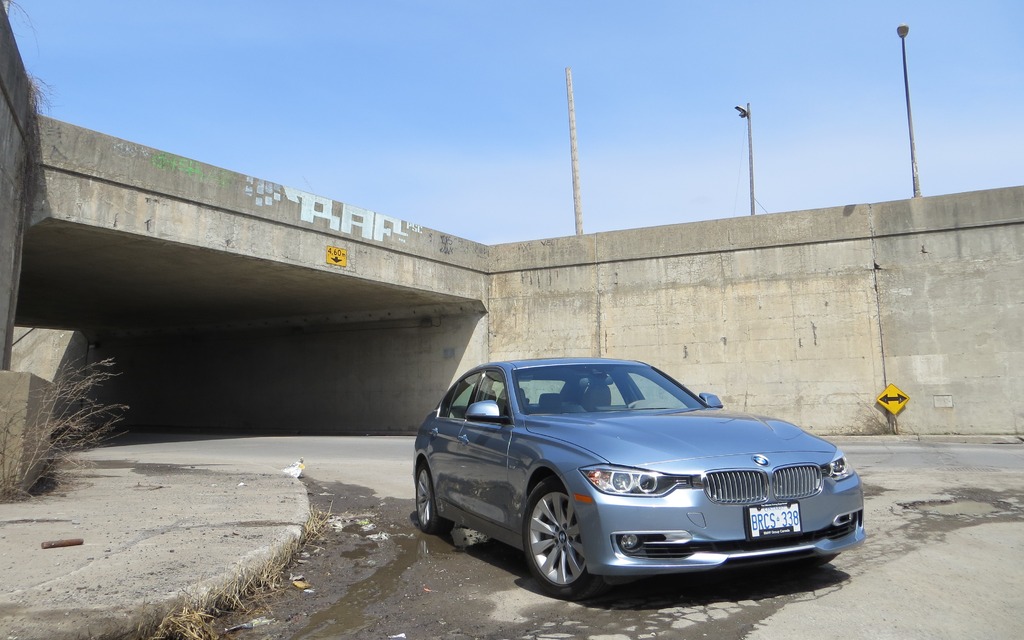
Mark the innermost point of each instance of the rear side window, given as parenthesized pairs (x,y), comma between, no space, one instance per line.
(492,387)
(459,397)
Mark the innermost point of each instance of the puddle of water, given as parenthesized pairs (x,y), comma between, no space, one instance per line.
(433,546)
(348,615)
(965,508)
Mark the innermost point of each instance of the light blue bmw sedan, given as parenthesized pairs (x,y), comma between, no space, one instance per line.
(605,471)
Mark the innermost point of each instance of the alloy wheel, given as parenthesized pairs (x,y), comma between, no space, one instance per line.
(555,539)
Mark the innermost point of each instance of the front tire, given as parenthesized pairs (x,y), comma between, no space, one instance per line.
(552,544)
(426,506)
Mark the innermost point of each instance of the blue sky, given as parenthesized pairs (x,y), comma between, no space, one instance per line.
(452,114)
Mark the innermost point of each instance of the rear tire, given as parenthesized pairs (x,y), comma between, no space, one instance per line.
(552,545)
(426,505)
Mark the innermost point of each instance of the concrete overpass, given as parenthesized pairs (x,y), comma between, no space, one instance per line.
(211,272)
(126,240)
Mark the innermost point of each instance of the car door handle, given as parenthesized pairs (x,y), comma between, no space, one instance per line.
(434,432)
(464,439)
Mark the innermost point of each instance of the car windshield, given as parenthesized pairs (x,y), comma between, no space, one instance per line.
(582,388)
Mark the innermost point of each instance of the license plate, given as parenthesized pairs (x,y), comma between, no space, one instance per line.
(773,520)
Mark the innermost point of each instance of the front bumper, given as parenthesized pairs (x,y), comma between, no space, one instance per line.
(685,531)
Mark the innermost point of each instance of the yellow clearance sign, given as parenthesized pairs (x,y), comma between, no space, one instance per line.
(337,256)
(893,399)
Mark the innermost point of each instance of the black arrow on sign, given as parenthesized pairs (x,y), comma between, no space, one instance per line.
(336,259)
(899,398)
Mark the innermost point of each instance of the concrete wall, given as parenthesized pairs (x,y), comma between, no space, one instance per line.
(951,294)
(805,315)
(17,124)
(22,454)
(48,352)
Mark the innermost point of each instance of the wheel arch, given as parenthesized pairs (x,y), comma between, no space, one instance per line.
(540,474)
(419,462)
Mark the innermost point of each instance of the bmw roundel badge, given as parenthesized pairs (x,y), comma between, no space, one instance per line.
(760,459)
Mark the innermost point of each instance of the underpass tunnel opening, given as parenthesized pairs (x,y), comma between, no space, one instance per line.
(374,377)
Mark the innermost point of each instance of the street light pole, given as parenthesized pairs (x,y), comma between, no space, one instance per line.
(902,32)
(745,113)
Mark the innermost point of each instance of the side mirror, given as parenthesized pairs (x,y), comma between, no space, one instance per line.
(711,400)
(485,411)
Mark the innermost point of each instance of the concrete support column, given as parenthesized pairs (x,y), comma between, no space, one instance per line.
(17,126)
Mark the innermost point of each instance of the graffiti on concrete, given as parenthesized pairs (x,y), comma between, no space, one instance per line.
(342,217)
(339,216)
(263,193)
(370,225)
(446,245)
(129,150)
(191,168)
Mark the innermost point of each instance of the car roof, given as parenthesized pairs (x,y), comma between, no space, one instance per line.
(527,363)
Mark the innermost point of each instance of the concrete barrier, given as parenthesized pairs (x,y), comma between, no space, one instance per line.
(24,447)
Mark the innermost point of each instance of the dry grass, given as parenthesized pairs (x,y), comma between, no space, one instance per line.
(872,421)
(247,592)
(317,525)
(187,624)
(71,420)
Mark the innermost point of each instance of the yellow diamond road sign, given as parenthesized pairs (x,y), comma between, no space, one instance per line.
(893,399)
(337,256)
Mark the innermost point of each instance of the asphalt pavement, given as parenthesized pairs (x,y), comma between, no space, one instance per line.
(140,530)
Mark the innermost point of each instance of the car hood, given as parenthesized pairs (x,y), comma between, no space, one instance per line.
(651,439)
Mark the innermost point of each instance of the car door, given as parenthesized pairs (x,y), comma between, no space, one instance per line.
(443,448)
(483,455)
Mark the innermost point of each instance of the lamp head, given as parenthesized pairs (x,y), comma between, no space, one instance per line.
(902,30)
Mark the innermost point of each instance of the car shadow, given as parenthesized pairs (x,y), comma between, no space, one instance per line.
(700,589)
(723,585)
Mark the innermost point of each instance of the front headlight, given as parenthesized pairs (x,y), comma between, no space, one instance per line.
(839,468)
(624,481)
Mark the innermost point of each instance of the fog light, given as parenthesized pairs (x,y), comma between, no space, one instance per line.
(629,541)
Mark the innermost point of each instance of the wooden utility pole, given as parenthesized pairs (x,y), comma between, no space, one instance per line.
(745,113)
(577,201)
(902,32)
